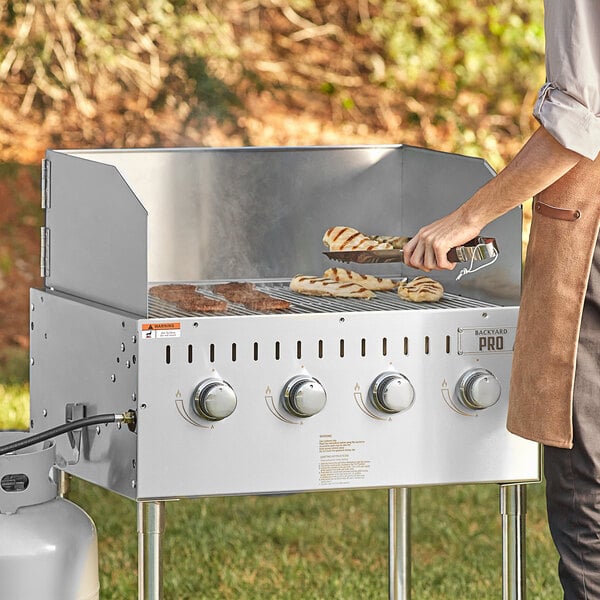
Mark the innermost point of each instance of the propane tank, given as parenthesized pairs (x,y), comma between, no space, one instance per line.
(48,545)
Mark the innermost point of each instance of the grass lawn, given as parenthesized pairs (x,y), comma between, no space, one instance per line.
(14,406)
(326,545)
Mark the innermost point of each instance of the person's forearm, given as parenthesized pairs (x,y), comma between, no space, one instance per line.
(540,163)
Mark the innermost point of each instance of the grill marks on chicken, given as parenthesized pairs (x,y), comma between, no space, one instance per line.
(421,289)
(346,238)
(368,281)
(398,242)
(322,286)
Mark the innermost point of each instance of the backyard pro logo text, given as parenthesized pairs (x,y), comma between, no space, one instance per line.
(491,340)
(486,340)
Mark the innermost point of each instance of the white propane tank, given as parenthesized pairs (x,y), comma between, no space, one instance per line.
(48,545)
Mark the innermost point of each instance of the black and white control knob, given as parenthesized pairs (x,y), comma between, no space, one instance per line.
(478,389)
(214,399)
(304,396)
(392,392)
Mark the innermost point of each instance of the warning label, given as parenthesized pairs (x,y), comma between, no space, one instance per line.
(341,461)
(161,330)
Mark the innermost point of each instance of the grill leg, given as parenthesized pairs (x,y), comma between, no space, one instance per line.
(150,526)
(399,543)
(64,484)
(513,508)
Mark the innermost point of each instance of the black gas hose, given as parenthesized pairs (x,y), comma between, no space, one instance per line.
(127,417)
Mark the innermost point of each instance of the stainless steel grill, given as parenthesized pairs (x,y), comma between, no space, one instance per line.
(330,394)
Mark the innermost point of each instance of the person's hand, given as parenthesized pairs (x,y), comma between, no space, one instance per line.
(428,249)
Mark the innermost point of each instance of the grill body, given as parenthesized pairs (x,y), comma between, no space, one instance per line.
(105,359)
(119,221)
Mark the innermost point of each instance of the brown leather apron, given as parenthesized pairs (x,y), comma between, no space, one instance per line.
(564,228)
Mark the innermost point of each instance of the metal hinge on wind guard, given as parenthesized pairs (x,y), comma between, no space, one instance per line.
(45,184)
(44,252)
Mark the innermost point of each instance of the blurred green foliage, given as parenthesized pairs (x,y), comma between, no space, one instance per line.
(451,45)
(469,63)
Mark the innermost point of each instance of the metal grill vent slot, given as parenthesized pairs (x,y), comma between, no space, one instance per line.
(387,348)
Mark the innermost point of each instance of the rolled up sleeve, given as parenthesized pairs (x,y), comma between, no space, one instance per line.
(568,105)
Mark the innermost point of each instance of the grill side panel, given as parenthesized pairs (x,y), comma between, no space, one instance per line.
(87,355)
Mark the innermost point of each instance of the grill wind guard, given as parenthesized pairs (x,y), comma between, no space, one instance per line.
(118,220)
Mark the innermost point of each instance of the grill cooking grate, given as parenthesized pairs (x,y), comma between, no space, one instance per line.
(300,304)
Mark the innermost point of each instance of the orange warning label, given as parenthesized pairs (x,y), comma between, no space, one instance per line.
(161,330)
(160,326)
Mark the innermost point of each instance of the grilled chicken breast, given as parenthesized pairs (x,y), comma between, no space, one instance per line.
(398,242)
(421,289)
(346,238)
(321,286)
(367,281)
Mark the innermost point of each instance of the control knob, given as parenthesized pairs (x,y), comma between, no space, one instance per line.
(478,389)
(214,399)
(392,393)
(304,396)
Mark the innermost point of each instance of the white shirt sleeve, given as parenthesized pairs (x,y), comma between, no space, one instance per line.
(568,105)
